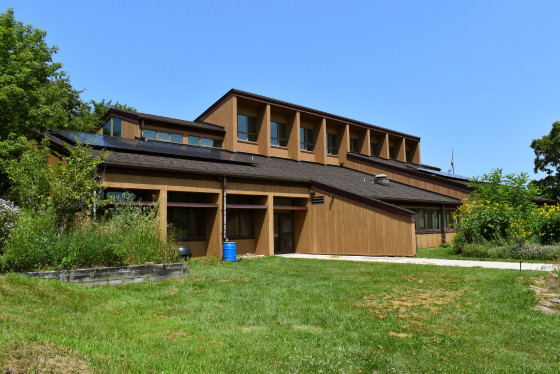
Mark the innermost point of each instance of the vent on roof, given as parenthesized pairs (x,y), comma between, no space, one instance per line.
(318,200)
(382,179)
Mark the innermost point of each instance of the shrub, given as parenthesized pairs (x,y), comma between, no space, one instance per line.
(525,251)
(128,235)
(31,243)
(548,218)
(8,218)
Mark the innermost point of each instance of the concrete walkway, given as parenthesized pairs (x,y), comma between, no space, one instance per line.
(433,261)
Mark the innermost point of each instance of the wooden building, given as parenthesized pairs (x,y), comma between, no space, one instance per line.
(276,177)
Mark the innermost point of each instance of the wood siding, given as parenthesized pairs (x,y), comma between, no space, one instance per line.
(433,240)
(340,227)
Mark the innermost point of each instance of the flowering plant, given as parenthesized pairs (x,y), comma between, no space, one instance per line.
(8,218)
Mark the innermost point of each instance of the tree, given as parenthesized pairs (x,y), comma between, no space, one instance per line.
(547,160)
(511,189)
(63,189)
(34,91)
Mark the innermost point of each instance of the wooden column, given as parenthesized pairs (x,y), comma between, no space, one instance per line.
(321,142)
(384,146)
(264,233)
(401,152)
(264,131)
(365,140)
(416,154)
(294,136)
(162,212)
(344,146)
(214,227)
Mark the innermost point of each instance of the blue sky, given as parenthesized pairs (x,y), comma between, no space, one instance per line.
(481,77)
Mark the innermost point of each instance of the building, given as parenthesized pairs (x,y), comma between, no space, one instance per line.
(277,177)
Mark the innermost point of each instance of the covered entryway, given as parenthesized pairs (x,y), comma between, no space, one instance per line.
(284,241)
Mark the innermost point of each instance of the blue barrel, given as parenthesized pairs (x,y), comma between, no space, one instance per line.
(229,251)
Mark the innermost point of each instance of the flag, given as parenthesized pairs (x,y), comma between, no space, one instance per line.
(452,162)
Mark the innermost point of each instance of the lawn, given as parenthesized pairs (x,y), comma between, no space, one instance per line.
(284,315)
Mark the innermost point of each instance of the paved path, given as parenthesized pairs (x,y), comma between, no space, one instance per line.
(433,261)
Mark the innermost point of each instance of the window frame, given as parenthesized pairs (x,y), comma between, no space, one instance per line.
(198,219)
(332,150)
(354,145)
(250,136)
(306,144)
(280,141)
(237,215)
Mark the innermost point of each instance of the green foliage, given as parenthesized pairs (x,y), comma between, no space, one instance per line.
(130,235)
(64,188)
(8,217)
(501,209)
(511,189)
(35,93)
(10,149)
(547,160)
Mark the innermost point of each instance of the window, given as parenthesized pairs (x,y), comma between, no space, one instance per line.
(117,125)
(246,128)
(107,128)
(187,223)
(449,221)
(374,150)
(162,136)
(278,134)
(354,145)
(306,139)
(205,142)
(149,134)
(427,219)
(176,138)
(332,144)
(392,153)
(240,223)
(186,197)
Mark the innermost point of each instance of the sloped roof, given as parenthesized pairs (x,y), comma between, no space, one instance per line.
(137,116)
(269,168)
(299,108)
(418,171)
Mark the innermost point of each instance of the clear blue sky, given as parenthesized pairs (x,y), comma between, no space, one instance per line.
(481,77)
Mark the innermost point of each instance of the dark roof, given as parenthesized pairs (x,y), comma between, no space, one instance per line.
(418,171)
(274,169)
(137,116)
(284,104)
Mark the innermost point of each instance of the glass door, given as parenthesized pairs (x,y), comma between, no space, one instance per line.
(284,232)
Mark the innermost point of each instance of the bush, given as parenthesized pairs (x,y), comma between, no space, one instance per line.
(128,235)
(8,218)
(525,251)
(32,243)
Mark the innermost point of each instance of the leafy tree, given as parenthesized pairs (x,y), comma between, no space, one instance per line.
(547,160)
(63,188)
(510,189)
(34,91)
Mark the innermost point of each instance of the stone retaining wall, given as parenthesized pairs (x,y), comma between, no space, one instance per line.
(149,272)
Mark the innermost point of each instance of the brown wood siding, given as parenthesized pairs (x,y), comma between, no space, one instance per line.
(449,191)
(343,228)
(429,240)
(226,116)
(279,152)
(130,130)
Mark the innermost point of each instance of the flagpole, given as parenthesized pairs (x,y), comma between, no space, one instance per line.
(452,162)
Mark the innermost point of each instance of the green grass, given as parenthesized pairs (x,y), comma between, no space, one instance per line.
(278,315)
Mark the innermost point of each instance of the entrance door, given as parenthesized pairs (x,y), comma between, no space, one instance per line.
(284,232)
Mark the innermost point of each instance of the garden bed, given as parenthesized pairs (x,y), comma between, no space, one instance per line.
(111,276)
